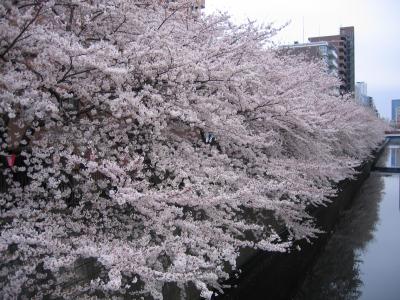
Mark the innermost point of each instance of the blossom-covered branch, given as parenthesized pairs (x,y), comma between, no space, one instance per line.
(155,143)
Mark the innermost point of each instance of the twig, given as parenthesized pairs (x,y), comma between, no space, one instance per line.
(2,55)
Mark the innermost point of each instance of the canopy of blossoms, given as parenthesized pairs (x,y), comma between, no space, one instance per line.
(153,143)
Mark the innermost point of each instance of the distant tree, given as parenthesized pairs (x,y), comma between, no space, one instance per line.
(158,142)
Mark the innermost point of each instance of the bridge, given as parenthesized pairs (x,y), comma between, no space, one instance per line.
(389,159)
(392,133)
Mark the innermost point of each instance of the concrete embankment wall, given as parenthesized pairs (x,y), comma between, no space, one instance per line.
(278,275)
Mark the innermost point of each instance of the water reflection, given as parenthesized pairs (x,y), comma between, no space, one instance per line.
(394,156)
(337,273)
(390,157)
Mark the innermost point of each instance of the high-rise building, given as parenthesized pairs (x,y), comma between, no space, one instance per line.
(360,89)
(396,113)
(362,97)
(361,93)
(324,50)
(344,43)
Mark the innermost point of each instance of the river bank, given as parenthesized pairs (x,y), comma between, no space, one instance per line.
(279,275)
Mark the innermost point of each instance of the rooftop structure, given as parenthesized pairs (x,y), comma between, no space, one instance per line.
(396,113)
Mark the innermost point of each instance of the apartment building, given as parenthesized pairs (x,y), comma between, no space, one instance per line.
(324,50)
(344,43)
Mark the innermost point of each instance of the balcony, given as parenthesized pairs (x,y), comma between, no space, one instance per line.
(334,64)
(332,53)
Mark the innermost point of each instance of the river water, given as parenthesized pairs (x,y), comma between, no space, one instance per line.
(362,258)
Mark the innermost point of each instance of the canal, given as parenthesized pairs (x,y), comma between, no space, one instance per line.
(362,258)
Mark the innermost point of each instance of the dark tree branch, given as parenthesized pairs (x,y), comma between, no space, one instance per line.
(68,71)
(166,19)
(98,14)
(27,5)
(23,30)
(86,110)
(120,25)
(57,96)
(71,18)
(74,74)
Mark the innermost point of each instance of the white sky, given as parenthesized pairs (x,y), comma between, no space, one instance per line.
(377,33)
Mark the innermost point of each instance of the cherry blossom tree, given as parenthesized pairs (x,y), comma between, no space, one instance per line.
(157,142)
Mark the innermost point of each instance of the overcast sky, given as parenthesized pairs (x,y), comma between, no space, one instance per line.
(377,33)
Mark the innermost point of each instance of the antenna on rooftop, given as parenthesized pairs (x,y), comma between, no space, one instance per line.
(303,29)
